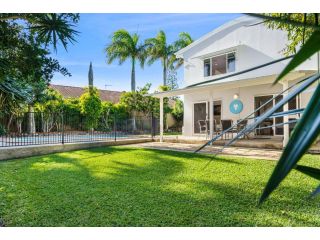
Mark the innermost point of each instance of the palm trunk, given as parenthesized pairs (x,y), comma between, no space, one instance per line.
(133,89)
(133,76)
(164,72)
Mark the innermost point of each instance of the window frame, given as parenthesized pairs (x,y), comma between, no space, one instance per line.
(226,63)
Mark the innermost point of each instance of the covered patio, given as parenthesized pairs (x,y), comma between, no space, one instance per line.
(225,91)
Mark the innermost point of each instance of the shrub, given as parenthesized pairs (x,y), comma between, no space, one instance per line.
(91,107)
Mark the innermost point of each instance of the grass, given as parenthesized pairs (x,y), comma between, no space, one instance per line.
(172,133)
(121,186)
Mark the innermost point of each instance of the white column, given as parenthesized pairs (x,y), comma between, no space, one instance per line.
(285,85)
(210,112)
(161,119)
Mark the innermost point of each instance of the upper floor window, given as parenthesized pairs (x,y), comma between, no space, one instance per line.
(220,64)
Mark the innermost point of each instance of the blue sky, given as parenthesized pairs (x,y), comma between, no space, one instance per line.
(96,30)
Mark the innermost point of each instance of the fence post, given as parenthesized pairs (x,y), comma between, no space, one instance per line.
(152,130)
(62,123)
(115,126)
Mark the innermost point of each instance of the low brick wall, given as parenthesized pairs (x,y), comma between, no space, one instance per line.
(36,150)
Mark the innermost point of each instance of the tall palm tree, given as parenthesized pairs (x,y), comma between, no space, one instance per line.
(183,41)
(159,49)
(50,27)
(125,46)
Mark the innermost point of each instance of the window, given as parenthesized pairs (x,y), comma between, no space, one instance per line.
(231,62)
(207,69)
(220,64)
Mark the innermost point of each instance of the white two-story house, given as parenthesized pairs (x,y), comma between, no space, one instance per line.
(235,46)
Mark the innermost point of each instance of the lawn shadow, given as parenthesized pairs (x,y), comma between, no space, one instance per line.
(110,189)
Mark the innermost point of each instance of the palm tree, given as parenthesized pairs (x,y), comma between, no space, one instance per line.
(183,41)
(159,49)
(50,27)
(125,46)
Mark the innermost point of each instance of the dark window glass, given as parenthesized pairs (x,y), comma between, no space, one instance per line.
(231,62)
(292,104)
(219,65)
(207,67)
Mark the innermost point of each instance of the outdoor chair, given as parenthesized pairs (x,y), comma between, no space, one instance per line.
(242,125)
(226,124)
(203,127)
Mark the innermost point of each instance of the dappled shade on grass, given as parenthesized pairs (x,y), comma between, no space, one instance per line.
(121,186)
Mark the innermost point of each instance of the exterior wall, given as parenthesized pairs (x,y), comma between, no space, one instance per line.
(246,95)
(254,45)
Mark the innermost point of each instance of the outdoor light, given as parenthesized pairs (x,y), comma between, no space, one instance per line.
(236,96)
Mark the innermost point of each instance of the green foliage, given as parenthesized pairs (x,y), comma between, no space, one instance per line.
(177,111)
(172,79)
(307,129)
(26,66)
(51,101)
(50,28)
(95,187)
(158,49)
(138,102)
(296,25)
(124,46)
(91,107)
(311,47)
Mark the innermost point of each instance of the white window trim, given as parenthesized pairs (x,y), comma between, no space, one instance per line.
(217,55)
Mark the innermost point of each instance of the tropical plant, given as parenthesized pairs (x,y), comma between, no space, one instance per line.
(51,28)
(125,46)
(90,105)
(139,102)
(177,111)
(159,49)
(298,26)
(183,41)
(307,129)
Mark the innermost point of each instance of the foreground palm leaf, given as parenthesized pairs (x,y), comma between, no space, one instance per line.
(310,171)
(305,84)
(307,50)
(304,134)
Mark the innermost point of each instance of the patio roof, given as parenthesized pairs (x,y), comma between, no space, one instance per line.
(230,83)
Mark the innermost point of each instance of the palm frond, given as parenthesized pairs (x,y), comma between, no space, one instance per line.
(304,134)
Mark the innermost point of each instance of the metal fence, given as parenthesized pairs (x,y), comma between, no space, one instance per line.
(36,128)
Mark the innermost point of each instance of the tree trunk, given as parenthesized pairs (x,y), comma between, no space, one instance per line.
(31,122)
(133,89)
(133,76)
(164,72)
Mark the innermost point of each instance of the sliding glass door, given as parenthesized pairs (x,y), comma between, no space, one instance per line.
(200,118)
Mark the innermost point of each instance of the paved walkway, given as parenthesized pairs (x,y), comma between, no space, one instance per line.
(256,153)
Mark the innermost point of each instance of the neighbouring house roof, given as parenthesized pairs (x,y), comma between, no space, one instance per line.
(76,92)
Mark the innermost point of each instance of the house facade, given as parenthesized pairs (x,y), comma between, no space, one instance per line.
(238,45)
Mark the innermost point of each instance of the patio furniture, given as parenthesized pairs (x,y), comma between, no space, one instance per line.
(226,124)
(217,128)
(203,127)
(242,124)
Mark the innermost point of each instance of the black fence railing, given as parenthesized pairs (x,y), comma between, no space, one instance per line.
(36,128)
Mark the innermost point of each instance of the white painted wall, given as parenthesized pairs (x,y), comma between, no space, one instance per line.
(254,45)
(246,95)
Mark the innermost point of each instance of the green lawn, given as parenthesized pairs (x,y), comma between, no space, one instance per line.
(121,186)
